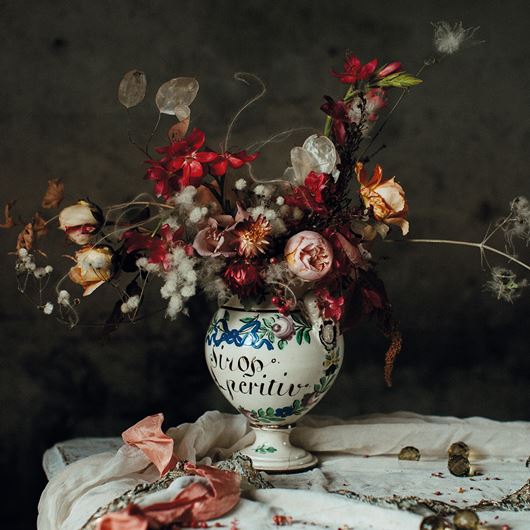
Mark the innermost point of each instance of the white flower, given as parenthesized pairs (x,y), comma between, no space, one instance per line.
(198,213)
(48,308)
(186,196)
(448,39)
(48,269)
(22,253)
(280,201)
(518,225)
(63,298)
(241,184)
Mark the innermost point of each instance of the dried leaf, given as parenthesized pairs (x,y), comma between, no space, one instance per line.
(54,194)
(175,93)
(178,131)
(132,87)
(399,80)
(182,112)
(9,222)
(25,238)
(40,228)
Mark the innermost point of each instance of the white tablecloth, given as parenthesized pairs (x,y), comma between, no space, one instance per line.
(358,484)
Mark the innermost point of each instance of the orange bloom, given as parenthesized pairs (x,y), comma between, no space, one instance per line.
(385,197)
(253,236)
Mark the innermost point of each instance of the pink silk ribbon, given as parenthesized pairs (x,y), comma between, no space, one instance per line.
(147,436)
(197,502)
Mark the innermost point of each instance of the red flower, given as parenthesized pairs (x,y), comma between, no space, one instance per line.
(243,278)
(317,184)
(354,71)
(219,166)
(159,248)
(182,165)
(303,198)
(388,69)
(338,110)
(330,306)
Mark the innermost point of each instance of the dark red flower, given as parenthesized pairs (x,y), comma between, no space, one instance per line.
(330,306)
(159,247)
(182,165)
(317,184)
(338,110)
(243,278)
(354,71)
(303,198)
(235,160)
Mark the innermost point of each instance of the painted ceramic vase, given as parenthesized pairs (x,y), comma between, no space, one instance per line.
(273,369)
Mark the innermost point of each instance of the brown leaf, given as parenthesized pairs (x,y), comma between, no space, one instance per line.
(25,238)
(9,222)
(40,228)
(178,130)
(54,194)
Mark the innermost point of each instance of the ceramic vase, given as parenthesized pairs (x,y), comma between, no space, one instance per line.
(273,369)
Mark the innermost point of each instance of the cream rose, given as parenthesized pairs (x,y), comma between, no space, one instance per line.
(80,221)
(308,255)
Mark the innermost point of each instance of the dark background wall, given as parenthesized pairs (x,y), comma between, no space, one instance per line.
(458,145)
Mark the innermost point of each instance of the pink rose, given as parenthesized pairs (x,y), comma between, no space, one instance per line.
(216,237)
(308,255)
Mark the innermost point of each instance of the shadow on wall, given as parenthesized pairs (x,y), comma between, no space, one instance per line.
(450,145)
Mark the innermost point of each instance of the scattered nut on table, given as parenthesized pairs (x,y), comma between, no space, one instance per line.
(458,449)
(435,522)
(466,520)
(409,453)
(459,466)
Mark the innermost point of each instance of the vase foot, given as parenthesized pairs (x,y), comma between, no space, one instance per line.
(272,451)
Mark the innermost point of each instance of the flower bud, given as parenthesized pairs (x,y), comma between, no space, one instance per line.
(388,69)
(94,266)
(80,221)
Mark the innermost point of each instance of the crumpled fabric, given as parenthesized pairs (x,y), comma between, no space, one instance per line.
(208,495)
(74,494)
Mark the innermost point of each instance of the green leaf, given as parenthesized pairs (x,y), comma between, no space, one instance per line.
(271,449)
(270,336)
(226,315)
(270,411)
(299,336)
(281,344)
(261,413)
(307,336)
(268,322)
(316,388)
(296,404)
(399,80)
(246,320)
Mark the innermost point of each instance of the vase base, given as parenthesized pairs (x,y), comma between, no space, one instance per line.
(272,452)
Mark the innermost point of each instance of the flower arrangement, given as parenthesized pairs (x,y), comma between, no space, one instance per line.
(210,225)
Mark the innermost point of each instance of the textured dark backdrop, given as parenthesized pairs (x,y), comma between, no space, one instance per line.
(458,145)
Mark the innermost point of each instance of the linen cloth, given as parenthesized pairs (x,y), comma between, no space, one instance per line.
(357,459)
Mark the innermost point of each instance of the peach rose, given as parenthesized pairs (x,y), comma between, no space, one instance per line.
(385,197)
(308,255)
(80,221)
(94,266)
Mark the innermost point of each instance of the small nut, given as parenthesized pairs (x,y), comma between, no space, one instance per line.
(459,466)
(458,449)
(409,453)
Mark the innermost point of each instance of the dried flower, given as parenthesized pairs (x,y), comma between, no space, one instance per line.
(308,255)
(80,221)
(253,236)
(243,278)
(48,308)
(518,224)
(331,307)
(504,284)
(385,197)
(448,39)
(240,184)
(8,216)
(94,267)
